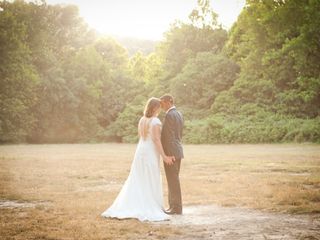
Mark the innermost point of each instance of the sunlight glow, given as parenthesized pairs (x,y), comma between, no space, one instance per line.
(146,19)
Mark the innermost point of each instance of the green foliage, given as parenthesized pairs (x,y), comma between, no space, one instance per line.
(276,44)
(184,41)
(202,79)
(81,81)
(18,79)
(203,16)
(264,127)
(258,83)
(124,128)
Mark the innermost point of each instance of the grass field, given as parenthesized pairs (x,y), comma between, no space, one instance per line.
(70,185)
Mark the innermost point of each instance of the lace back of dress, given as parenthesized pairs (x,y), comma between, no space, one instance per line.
(144,127)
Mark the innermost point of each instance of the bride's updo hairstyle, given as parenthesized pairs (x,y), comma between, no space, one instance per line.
(153,104)
(151,107)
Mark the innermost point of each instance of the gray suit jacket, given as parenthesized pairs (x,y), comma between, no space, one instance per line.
(171,134)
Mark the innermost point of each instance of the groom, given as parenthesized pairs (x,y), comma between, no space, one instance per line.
(171,141)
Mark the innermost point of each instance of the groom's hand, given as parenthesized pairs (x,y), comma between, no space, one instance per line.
(168,160)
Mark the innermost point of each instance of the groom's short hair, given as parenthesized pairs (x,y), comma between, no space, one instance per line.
(167,98)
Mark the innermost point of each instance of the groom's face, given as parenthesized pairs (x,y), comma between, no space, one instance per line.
(165,105)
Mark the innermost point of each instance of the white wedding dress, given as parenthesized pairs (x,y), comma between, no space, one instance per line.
(141,195)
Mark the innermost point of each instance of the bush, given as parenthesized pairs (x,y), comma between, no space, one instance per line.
(124,129)
(264,128)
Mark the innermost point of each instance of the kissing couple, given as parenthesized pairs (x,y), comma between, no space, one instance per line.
(141,195)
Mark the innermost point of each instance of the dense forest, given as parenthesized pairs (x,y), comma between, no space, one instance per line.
(258,82)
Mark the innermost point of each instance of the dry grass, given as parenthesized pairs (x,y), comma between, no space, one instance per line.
(79,181)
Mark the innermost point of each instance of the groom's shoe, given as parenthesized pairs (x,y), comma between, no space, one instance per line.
(168,211)
(172,211)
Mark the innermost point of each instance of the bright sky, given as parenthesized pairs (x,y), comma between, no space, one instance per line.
(146,19)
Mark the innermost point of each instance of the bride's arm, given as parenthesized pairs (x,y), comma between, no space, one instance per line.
(156,138)
(139,127)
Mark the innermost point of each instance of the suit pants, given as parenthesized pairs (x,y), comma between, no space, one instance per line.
(174,190)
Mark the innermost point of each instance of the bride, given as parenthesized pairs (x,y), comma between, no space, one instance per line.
(141,195)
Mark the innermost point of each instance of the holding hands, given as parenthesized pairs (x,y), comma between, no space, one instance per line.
(169,159)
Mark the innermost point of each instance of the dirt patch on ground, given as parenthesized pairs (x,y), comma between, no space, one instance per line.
(214,222)
(10,204)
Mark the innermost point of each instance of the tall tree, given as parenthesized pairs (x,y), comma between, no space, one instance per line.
(277,45)
(18,76)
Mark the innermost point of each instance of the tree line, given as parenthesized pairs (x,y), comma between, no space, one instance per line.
(258,82)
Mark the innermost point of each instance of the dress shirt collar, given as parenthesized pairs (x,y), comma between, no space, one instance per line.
(170,109)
